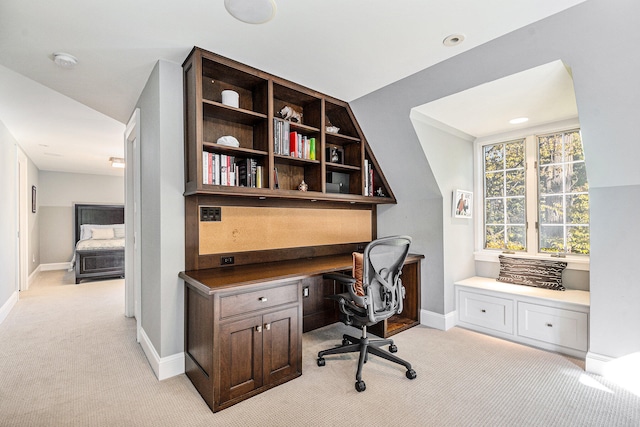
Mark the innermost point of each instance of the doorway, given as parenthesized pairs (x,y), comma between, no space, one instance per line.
(132,221)
(23,222)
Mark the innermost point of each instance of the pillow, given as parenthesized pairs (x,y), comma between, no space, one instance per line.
(85,229)
(102,233)
(539,273)
(118,232)
(357,273)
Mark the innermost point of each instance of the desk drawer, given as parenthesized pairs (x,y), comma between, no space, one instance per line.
(553,325)
(486,311)
(247,302)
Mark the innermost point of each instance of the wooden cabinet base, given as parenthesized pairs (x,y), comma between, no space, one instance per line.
(204,385)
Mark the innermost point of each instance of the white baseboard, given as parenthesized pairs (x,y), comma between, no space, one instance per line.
(444,322)
(33,276)
(596,363)
(7,306)
(55,266)
(163,367)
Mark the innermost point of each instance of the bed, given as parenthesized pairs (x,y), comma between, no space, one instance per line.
(99,237)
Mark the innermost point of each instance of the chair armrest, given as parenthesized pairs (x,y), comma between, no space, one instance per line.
(339,277)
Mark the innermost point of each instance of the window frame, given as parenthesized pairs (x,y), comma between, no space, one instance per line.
(529,134)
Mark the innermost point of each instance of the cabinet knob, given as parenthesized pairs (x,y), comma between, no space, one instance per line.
(483,310)
(262,299)
(267,326)
(259,328)
(550,325)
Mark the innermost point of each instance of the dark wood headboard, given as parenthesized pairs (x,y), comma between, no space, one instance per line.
(98,214)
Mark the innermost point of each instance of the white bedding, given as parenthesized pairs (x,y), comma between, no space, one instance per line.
(90,244)
(86,241)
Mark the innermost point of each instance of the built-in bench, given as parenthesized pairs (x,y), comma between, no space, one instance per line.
(545,318)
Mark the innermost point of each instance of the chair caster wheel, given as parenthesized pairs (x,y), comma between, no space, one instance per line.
(321,361)
(360,386)
(345,341)
(411,374)
(393,348)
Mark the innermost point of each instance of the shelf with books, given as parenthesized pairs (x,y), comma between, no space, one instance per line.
(296,141)
(375,184)
(226,170)
(270,111)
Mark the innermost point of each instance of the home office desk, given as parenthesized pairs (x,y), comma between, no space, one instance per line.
(244,324)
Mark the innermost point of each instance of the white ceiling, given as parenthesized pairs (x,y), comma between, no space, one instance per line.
(542,94)
(345,49)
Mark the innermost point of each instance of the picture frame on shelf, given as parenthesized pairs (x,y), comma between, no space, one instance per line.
(462,204)
(334,154)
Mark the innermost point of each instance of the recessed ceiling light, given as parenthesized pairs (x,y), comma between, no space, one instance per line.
(519,120)
(453,40)
(117,162)
(251,11)
(65,60)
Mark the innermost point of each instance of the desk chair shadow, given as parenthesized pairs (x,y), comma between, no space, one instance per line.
(376,297)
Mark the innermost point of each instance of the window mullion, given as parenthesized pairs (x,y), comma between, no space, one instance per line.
(531,194)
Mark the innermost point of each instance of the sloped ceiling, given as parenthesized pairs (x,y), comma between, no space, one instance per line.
(343,49)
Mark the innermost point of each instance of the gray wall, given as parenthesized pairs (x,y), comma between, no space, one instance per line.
(57,194)
(162,208)
(451,160)
(8,215)
(605,72)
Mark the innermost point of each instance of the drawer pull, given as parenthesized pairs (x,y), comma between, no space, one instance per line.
(483,310)
(550,325)
(267,326)
(262,299)
(258,328)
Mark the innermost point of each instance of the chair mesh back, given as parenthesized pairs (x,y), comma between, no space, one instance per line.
(383,260)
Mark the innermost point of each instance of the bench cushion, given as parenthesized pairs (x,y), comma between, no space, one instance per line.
(540,273)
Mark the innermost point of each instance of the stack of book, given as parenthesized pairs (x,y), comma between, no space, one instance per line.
(368,183)
(292,143)
(222,169)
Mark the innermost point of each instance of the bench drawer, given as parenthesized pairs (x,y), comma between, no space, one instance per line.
(558,326)
(247,302)
(486,311)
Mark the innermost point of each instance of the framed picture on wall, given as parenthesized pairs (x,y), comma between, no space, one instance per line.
(462,204)
(33,198)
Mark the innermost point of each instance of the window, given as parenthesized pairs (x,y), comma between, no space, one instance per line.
(563,207)
(535,194)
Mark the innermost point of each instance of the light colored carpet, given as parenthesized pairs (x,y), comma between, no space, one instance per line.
(68,357)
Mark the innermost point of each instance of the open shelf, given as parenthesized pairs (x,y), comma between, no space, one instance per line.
(332,164)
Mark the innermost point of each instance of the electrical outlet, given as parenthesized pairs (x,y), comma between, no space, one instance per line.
(305,292)
(360,248)
(227,260)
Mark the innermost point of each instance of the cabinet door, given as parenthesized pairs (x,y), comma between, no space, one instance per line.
(240,357)
(281,344)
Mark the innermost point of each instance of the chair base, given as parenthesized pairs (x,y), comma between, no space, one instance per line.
(364,346)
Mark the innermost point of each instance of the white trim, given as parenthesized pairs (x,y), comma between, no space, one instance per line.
(33,276)
(7,306)
(573,262)
(163,367)
(416,114)
(596,363)
(443,322)
(55,266)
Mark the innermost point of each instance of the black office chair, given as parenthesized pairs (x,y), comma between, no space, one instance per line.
(378,297)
